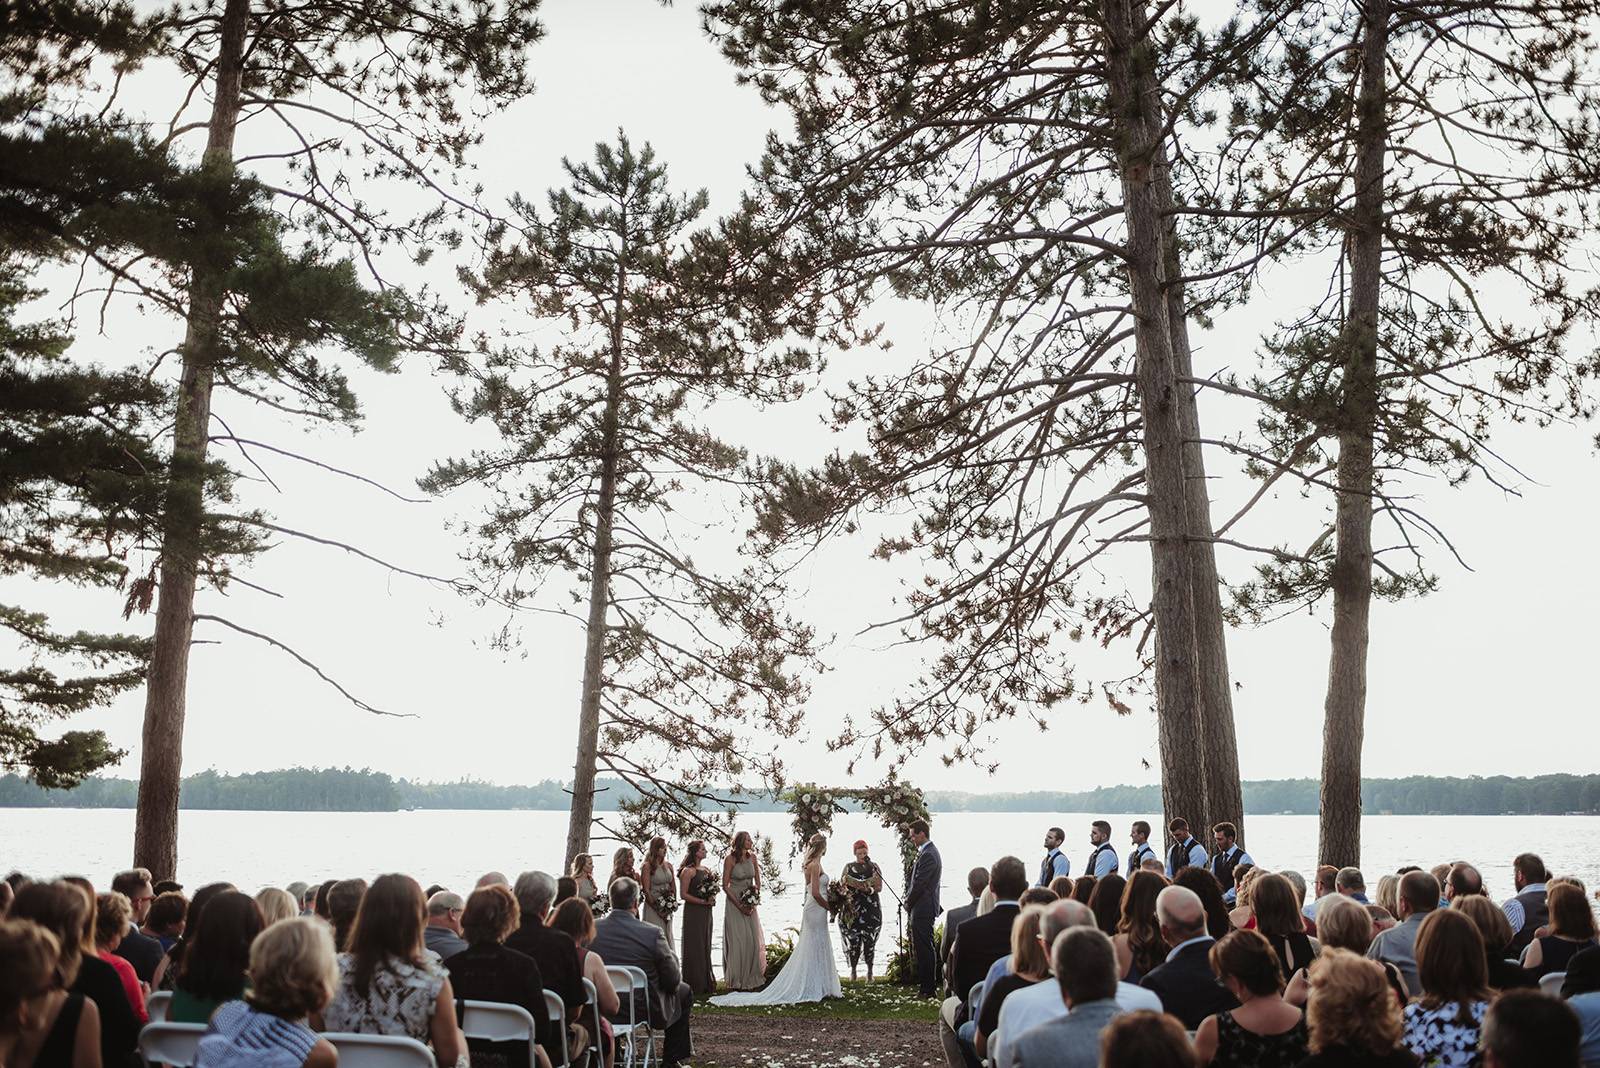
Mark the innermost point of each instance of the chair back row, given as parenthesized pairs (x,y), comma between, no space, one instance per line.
(177,1044)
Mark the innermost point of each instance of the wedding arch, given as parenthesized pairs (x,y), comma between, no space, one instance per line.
(896,804)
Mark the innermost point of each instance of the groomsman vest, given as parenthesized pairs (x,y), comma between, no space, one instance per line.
(1535,914)
(1178,855)
(1101,848)
(1047,869)
(1223,863)
(1136,858)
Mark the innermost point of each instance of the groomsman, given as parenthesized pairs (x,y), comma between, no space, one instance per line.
(1141,846)
(1186,851)
(1229,856)
(922,904)
(1103,861)
(1055,862)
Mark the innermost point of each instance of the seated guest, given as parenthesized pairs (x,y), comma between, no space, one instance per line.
(1571,929)
(168,914)
(1581,989)
(1349,882)
(624,940)
(40,1023)
(1106,902)
(67,911)
(1029,964)
(575,919)
(293,975)
(1185,982)
(168,886)
(977,883)
(319,904)
(1326,885)
(443,933)
(1526,912)
(137,947)
(1388,894)
(6,896)
(1086,974)
(388,983)
(487,971)
(1204,886)
(1241,916)
(1345,925)
(1031,1006)
(297,892)
(1277,917)
(1527,1029)
(1463,881)
(979,942)
(168,971)
(491,878)
(1419,895)
(1061,886)
(1442,1027)
(276,905)
(1145,1039)
(113,919)
(218,955)
(1264,1031)
(344,901)
(566,887)
(552,950)
(1495,930)
(1138,938)
(1082,889)
(1352,1018)
(1382,919)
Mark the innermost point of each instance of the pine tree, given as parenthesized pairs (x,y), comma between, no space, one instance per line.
(689,676)
(1441,162)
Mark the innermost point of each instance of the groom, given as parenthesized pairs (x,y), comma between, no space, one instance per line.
(922,903)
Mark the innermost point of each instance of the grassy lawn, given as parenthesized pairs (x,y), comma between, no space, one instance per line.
(862,1000)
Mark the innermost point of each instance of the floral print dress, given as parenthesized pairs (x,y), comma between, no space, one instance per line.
(1439,1038)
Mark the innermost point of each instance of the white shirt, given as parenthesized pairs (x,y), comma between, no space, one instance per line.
(1040,1003)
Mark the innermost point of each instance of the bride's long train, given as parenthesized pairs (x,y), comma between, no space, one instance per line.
(810,974)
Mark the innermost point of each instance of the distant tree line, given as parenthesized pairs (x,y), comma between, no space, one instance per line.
(364,790)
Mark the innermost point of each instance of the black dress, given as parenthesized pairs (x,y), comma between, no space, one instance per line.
(119,1027)
(1240,1048)
(61,1043)
(491,972)
(1556,951)
(1344,1057)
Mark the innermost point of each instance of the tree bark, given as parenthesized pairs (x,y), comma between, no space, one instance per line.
(1136,130)
(581,819)
(155,836)
(1345,710)
(1219,743)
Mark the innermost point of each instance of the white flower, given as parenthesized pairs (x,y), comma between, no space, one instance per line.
(806,798)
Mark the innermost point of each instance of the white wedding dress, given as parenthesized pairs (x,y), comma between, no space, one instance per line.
(810,974)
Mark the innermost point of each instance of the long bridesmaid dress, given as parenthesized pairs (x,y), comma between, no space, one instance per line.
(661,880)
(744,950)
(696,952)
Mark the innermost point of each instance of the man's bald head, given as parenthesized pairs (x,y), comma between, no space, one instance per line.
(1061,915)
(1181,913)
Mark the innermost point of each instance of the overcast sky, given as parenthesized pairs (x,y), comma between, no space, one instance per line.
(1492,674)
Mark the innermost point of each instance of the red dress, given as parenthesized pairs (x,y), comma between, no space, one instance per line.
(130,985)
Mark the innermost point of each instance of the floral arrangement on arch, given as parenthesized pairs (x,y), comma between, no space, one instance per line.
(812,809)
(897,804)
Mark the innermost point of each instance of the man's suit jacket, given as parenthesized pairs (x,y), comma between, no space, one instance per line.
(557,957)
(1070,1041)
(952,923)
(922,892)
(142,951)
(1187,986)
(980,942)
(622,939)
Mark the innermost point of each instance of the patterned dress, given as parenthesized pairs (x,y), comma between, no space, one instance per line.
(1239,1048)
(862,917)
(400,998)
(1439,1039)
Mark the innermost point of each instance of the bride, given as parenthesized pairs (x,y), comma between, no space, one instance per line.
(810,974)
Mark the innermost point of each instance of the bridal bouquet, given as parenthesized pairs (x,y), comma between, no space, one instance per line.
(750,898)
(600,905)
(665,903)
(839,899)
(705,886)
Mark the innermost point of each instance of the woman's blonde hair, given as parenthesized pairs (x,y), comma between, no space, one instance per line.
(1490,918)
(113,913)
(1244,886)
(276,905)
(1028,955)
(580,863)
(1344,924)
(293,971)
(1388,894)
(31,954)
(1351,1004)
(816,845)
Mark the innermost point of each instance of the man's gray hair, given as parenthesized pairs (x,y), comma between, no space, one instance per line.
(624,894)
(1350,879)
(492,878)
(534,892)
(297,890)
(1061,915)
(444,901)
(1179,908)
(1297,881)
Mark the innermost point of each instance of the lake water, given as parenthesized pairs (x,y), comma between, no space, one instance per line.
(255,849)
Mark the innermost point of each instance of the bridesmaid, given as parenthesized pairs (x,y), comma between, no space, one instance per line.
(622,868)
(583,874)
(744,951)
(658,880)
(696,951)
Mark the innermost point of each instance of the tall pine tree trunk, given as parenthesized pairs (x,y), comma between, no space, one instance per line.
(1224,790)
(581,820)
(1137,129)
(1345,710)
(155,836)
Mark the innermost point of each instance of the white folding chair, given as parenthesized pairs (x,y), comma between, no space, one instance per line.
(156,1005)
(1551,984)
(170,1043)
(379,1051)
(591,998)
(628,981)
(496,1021)
(556,1009)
